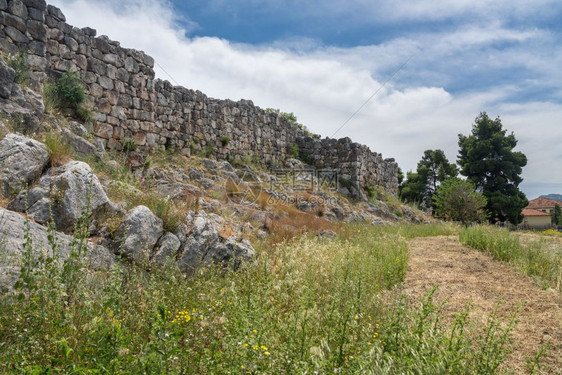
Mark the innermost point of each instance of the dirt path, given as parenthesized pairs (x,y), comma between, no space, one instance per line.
(464,274)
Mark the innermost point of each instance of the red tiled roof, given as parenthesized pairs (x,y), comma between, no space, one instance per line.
(543,203)
(532,212)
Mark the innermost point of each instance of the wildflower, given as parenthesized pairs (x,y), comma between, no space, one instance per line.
(182,317)
(266,353)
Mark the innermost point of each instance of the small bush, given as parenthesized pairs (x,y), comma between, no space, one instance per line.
(85,114)
(225,140)
(206,152)
(293,151)
(371,191)
(69,90)
(18,62)
(129,144)
(66,93)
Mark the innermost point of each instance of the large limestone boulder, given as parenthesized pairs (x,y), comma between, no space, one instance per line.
(22,160)
(80,146)
(205,244)
(12,232)
(138,235)
(65,193)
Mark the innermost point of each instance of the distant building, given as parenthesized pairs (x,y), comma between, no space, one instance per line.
(536,219)
(544,205)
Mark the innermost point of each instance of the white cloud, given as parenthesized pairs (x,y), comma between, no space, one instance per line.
(324,85)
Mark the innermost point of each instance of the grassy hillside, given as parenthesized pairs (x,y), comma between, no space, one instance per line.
(304,306)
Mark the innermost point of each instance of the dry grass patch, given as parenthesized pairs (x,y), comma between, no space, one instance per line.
(60,151)
(467,276)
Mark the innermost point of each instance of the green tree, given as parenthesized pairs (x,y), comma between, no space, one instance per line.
(557,215)
(433,168)
(487,159)
(456,200)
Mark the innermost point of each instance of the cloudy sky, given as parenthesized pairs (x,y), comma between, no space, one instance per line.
(434,66)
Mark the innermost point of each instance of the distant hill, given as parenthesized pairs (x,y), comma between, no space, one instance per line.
(556,197)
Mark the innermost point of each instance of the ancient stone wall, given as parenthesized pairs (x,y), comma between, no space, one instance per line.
(130,104)
(355,162)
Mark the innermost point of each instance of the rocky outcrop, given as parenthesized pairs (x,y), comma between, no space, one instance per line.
(13,231)
(64,194)
(205,244)
(138,234)
(22,160)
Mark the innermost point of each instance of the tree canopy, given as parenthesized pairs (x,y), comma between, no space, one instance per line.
(487,159)
(557,215)
(432,169)
(456,200)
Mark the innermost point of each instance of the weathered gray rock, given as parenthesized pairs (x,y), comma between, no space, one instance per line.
(294,164)
(176,190)
(166,249)
(33,102)
(327,234)
(16,35)
(12,232)
(27,198)
(56,13)
(81,146)
(7,75)
(17,8)
(195,173)
(209,164)
(379,221)
(226,166)
(379,209)
(72,189)
(22,160)
(138,234)
(205,246)
(207,183)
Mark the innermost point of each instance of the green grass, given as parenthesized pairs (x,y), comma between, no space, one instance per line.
(534,258)
(305,306)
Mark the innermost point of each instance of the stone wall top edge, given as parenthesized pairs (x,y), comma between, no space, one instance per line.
(143,58)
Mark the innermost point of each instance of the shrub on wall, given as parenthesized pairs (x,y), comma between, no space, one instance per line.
(225,141)
(18,62)
(293,151)
(66,92)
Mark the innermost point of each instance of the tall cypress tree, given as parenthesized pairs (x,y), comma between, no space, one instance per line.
(487,159)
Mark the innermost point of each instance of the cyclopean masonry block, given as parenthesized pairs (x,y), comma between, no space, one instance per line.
(131,104)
